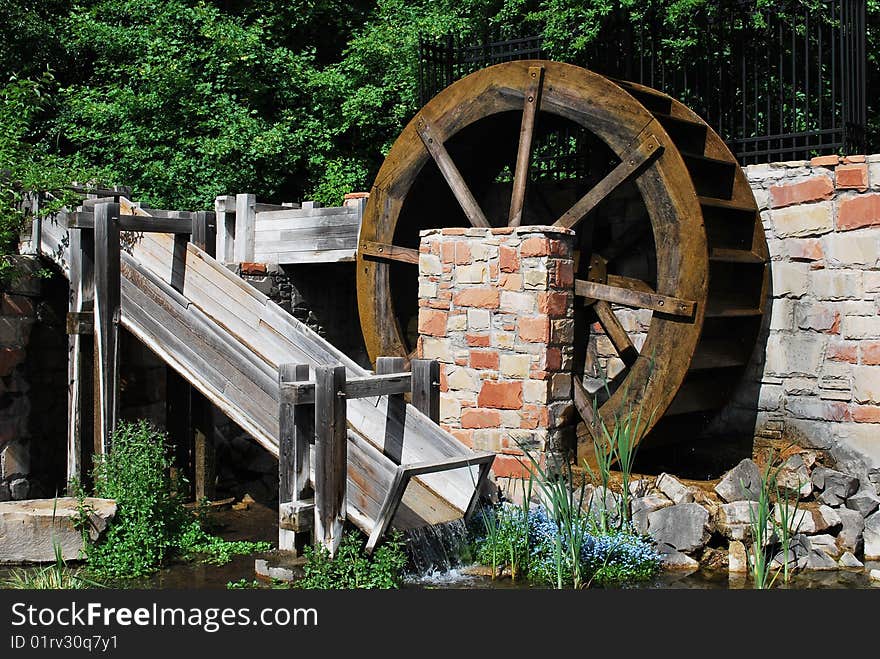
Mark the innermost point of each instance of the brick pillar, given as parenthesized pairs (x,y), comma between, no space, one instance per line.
(496,310)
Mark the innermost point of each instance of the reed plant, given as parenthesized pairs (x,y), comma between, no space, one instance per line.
(788,512)
(762,525)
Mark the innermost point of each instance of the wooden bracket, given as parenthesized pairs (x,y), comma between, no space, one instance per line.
(389,252)
(80,322)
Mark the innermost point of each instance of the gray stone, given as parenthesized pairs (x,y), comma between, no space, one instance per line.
(794,477)
(819,560)
(15,460)
(849,538)
(809,520)
(733,520)
(683,526)
(676,560)
(849,560)
(5,494)
(737,558)
(872,537)
(673,488)
(865,502)
(644,506)
(741,483)
(29,530)
(874,575)
(834,483)
(601,500)
(19,488)
(826,543)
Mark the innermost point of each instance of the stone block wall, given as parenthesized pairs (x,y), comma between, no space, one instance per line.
(496,310)
(820,378)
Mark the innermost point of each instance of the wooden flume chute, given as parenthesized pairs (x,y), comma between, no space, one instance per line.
(665,222)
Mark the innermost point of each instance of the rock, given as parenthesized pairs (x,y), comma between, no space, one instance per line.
(19,488)
(684,526)
(30,529)
(793,477)
(733,520)
(849,560)
(849,538)
(737,558)
(5,494)
(864,501)
(640,487)
(676,560)
(673,488)
(740,483)
(599,500)
(247,498)
(874,575)
(826,543)
(713,559)
(836,485)
(644,506)
(872,537)
(819,560)
(809,520)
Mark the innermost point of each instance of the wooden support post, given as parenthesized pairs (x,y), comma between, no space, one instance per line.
(204,232)
(426,387)
(393,447)
(80,356)
(296,432)
(224,209)
(331,456)
(178,423)
(107,312)
(245,228)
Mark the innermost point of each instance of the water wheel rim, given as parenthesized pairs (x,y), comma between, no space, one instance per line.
(619,120)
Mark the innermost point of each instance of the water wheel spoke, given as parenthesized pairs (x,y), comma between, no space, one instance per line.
(453,177)
(616,333)
(630,283)
(531,103)
(586,409)
(627,297)
(633,159)
(389,252)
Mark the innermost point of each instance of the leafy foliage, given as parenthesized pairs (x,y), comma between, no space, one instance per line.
(151,523)
(351,568)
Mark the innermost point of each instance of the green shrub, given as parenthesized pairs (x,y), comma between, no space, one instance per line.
(351,568)
(151,523)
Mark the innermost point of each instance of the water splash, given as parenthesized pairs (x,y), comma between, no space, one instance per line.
(436,549)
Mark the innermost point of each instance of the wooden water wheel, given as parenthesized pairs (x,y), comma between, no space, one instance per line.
(666,225)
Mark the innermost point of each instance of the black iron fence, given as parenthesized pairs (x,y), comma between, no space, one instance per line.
(777,82)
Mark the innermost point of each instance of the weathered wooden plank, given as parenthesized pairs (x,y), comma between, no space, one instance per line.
(637,156)
(426,387)
(299,393)
(453,177)
(331,456)
(245,224)
(345,221)
(204,449)
(390,252)
(389,507)
(138,223)
(224,209)
(107,311)
(313,244)
(299,214)
(294,258)
(80,359)
(204,232)
(385,366)
(79,322)
(531,104)
(633,298)
(295,435)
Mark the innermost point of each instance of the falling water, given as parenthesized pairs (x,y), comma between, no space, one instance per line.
(436,549)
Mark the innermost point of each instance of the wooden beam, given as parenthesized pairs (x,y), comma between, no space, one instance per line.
(389,507)
(107,316)
(426,387)
(331,456)
(389,252)
(393,446)
(453,177)
(296,425)
(632,298)
(80,356)
(204,446)
(531,104)
(224,210)
(245,228)
(138,223)
(616,333)
(204,233)
(632,160)
(369,386)
(79,322)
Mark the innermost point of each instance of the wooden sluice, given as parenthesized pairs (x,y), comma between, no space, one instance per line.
(303,400)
